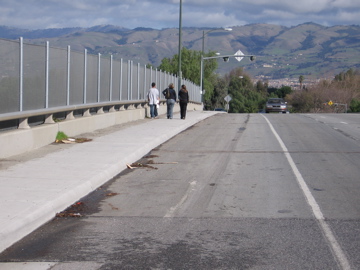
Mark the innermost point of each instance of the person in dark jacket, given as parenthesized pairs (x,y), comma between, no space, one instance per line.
(170,96)
(183,100)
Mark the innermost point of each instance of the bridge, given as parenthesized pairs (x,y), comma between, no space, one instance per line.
(44,90)
(243,187)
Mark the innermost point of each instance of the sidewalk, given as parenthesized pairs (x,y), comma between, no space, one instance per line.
(33,191)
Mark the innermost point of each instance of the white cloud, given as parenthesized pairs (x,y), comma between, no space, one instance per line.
(35,14)
(219,19)
(347,18)
(345,4)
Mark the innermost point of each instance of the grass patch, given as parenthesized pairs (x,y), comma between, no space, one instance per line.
(61,136)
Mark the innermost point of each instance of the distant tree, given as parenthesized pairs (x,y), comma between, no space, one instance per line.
(261,87)
(169,65)
(279,92)
(355,105)
(190,68)
(343,89)
(245,97)
(284,91)
(150,66)
(301,80)
(346,76)
(220,92)
(272,91)
(238,85)
(301,101)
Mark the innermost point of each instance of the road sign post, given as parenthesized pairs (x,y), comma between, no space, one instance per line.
(227,99)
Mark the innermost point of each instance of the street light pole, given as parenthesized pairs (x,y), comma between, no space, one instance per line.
(202,68)
(180,45)
(202,59)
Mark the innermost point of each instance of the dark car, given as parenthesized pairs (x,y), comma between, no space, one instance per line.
(220,110)
(276,105)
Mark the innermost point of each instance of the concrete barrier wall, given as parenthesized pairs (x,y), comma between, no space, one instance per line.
(19,141)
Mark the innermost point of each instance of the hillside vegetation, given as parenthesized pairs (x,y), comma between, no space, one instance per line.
(341,94)
(308,49)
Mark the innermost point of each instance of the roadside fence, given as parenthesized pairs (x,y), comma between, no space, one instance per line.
(39,81)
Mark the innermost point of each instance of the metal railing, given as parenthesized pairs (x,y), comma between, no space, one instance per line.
(40,81)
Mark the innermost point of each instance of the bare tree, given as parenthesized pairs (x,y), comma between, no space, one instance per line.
(343,89)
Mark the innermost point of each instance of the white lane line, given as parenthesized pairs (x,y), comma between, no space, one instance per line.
(171,211)
(345,123)
(337,251)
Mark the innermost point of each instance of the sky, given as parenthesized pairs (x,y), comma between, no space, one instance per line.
(159,14)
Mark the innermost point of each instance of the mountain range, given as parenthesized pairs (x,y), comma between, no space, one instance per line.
(308,49)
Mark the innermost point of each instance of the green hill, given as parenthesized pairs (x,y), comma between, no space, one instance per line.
(308,49)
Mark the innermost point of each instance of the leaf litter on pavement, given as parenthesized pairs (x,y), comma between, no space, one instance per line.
(147,163)
(74,140)
(73,211)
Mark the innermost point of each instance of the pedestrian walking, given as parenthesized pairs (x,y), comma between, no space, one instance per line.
(183,100)
(170,96)
(153,99)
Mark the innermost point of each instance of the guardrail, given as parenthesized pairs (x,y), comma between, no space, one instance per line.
(85,109)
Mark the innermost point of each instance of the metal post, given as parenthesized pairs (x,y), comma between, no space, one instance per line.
(156,76)
(47,76)
(138,81)
(202,91)
(85,71)
(151,74)
(202,78)
(21,75)
(68,77)
(145,85)
(161,76)
(129,78)
(202,63)
(99,77)
(180,36)
(121,79)
(111,77)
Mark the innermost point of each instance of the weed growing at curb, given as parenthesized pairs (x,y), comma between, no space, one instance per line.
(61,136)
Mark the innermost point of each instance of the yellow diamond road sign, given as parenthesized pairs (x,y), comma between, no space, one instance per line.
(330,103)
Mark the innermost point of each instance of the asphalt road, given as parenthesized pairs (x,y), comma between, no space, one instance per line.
(236,191)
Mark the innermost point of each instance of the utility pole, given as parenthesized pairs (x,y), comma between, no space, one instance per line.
(180,45)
